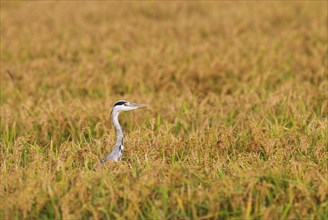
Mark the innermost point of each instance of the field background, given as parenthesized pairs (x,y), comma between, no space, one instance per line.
(237,126)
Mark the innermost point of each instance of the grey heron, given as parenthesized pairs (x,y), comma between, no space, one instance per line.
(118,107)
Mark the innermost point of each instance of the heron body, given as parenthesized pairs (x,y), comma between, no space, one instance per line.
(119,106)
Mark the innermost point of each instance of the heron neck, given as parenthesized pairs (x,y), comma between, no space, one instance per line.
(118,128)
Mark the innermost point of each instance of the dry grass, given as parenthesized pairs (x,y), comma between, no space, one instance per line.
(237,129)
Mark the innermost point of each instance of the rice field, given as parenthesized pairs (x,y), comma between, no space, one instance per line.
(237,126)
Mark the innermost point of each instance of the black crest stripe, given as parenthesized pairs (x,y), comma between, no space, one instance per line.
(119,103)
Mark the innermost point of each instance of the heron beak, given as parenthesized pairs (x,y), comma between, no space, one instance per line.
(136,105)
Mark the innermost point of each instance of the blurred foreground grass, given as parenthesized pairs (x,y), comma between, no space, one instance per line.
(237,126)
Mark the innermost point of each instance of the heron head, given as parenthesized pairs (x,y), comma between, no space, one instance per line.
(122,105)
